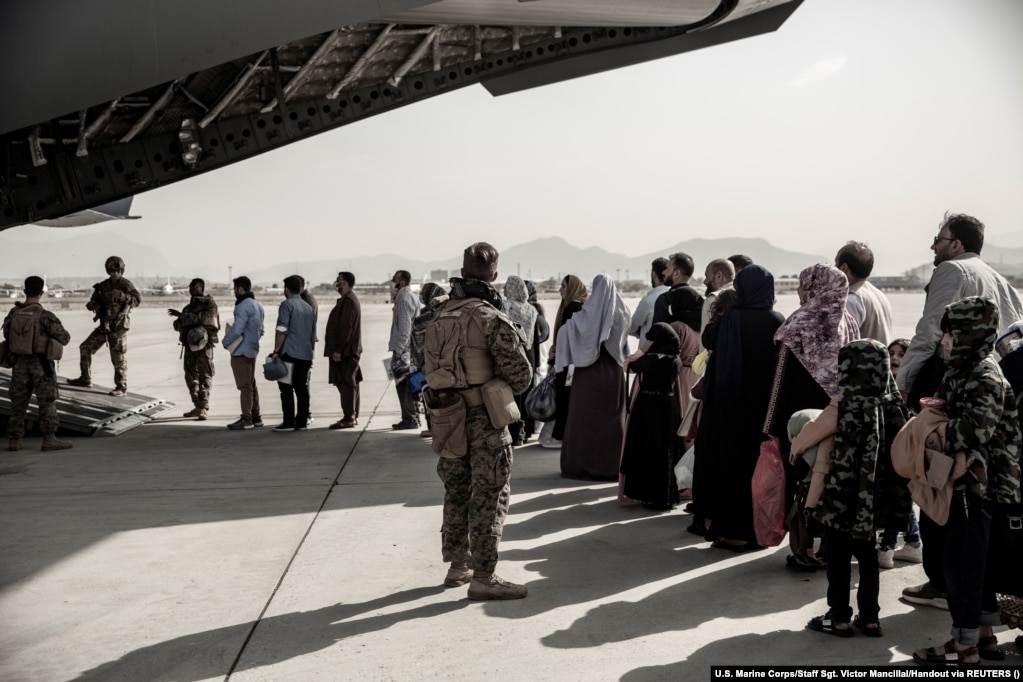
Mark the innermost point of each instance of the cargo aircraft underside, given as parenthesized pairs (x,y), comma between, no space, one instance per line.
(113,99)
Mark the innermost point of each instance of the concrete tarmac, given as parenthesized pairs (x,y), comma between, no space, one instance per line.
(184,551)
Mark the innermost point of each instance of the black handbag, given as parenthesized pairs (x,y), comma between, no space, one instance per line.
(541,400)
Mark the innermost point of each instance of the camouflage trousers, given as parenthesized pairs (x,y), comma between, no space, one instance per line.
(118,342)
(29,375)
(199,376)
(476,493)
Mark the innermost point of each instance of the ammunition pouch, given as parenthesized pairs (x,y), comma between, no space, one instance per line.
(447,423)
(500,402)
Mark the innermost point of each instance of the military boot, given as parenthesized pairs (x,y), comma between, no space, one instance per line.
(459,574)
(50,442)
(488,586)
(201,416)
(80,381)
(13,444)
(194,412)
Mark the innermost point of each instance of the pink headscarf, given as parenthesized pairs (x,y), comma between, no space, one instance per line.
(819,327)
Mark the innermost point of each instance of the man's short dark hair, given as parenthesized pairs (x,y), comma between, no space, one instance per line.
(967,229)
(858,257)
(740,261)
(200,281)
(347,277)
(301,282)
(293,283)
(683,262)
(34,286)
(479,261)
(404,276)
(659,265)
(244,282)
(722,266)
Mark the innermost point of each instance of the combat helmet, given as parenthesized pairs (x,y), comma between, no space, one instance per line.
(114,263)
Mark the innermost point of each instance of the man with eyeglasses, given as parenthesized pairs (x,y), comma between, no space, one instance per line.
(111,302)
(958,273)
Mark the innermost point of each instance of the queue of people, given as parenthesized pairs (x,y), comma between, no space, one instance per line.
(716,376)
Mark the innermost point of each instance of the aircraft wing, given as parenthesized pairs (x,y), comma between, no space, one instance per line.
(115,210)
(122,97)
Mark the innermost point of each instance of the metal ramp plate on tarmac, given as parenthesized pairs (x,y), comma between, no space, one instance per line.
(90,411)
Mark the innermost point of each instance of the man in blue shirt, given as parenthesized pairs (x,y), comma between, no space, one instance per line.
(244,334)
(294,342)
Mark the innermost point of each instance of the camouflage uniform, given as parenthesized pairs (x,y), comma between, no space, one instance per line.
(35,373)
(201,311)
(477,486)
(114,320)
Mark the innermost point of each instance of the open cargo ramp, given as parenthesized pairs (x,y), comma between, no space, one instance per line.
(89,411)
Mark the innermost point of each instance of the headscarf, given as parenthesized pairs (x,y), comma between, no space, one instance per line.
(819,327)
(603,322)
(430,291)
(862,487)
(755,286)
(575,290)
(664,340)
(517,308)
(685,305)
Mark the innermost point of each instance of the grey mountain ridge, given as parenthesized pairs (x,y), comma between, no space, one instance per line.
(82,256)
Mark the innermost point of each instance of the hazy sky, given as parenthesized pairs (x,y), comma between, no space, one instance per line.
(862,120)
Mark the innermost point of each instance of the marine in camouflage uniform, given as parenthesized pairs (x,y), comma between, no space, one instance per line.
(477,486)
(198,316)
(111,301)
(862,492)
(35,373)
(983,435)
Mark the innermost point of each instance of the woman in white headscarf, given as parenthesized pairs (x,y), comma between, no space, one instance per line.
(520,311)
(592,347)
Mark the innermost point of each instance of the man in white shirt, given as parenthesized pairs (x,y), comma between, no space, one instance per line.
(866,303)
(643,318)
(717,277)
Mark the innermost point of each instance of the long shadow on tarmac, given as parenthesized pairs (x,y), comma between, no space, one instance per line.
(211,653)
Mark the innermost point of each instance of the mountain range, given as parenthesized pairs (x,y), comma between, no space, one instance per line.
(82,257)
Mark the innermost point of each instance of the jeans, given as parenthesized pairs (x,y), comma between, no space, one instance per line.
(970,602)
(890,537)
(297,390)
(933,537)
(842,547)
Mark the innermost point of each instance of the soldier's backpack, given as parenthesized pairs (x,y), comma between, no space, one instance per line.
(448,361)
(21,337)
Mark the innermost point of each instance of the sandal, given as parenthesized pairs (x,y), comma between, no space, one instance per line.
(946,655)
(829,627)
(869,629)
(988,649)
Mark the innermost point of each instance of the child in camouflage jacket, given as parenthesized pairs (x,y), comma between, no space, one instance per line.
(862,492)
(983,436)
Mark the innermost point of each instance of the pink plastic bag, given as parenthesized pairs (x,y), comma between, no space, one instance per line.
(769,495)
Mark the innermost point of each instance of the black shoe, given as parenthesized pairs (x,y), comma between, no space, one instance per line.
(284,428)
(404,426)
(257,422)
(301,427)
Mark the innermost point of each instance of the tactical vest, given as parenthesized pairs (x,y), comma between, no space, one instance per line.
(456,354)
(26,335)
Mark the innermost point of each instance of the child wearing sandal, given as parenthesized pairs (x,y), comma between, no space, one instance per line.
(862,492)
(983,438)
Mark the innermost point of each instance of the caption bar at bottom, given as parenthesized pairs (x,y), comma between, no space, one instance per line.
(836,672)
